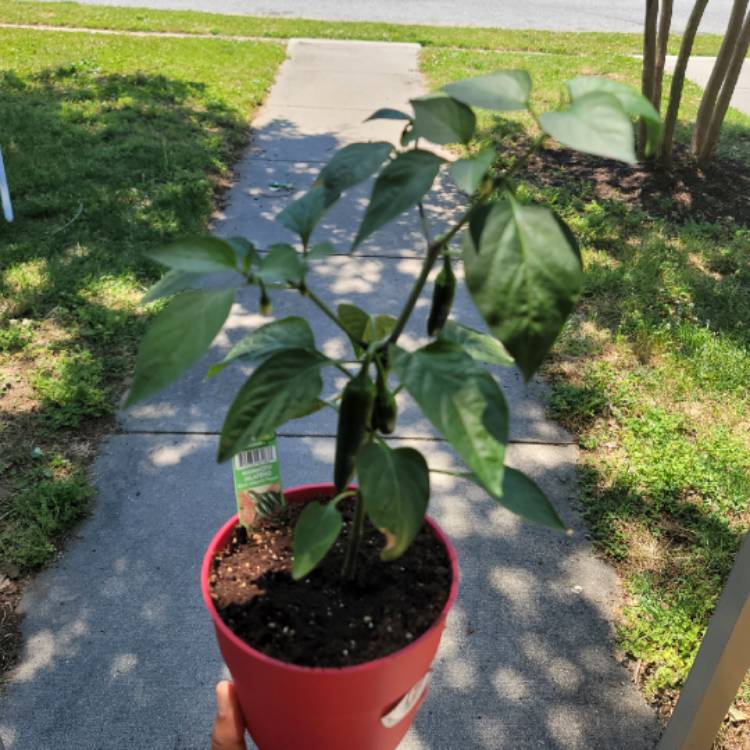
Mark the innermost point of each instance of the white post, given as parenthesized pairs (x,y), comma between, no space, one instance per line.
(722,662)
(5,197)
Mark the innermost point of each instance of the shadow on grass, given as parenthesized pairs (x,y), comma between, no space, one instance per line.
(677,555)
(101,167)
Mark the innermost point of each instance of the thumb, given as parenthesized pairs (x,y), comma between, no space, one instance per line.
(229,726)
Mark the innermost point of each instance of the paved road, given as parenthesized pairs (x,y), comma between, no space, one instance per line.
(558,15)
(119,651)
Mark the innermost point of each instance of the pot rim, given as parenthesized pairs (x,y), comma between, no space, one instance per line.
(306,490)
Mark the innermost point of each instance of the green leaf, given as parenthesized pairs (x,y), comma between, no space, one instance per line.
(277,336)
(317,529)
(320,251)
(594,124)
(463,401)
(632,101)
(469,173)
(177,338)
(172,282)
(395,488)
(386,113)
(245,252)
(303,215)
(400,185)
(281,265)
(523,276)
(521,495)
(196,254)
(379,327)
(441,119)
(286,386)
(504,90)
(477,345)
(363,327)
(355,322)
(353,164)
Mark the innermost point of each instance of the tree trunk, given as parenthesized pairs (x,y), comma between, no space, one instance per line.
(665,21)
(649,66)
(725,97)
(678,81)
(710,95)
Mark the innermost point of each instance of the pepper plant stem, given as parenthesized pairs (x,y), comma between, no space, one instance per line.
(354,539)
(327,310)
(433,253)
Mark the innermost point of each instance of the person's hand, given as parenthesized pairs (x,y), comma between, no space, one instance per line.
(229,727)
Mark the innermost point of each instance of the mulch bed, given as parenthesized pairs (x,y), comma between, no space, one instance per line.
(720,193)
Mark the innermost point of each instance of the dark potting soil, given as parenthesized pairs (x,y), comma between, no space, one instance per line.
(323,621)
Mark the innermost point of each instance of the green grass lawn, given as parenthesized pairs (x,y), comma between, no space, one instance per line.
(112,145)
(146,19)
(652,374)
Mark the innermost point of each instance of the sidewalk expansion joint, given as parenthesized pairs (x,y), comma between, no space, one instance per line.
(331,436)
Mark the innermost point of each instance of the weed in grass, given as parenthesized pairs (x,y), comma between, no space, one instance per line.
(71,388)
(14,336)
(39,513)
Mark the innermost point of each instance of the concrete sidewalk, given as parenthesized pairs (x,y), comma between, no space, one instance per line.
(699,71)
(119,652)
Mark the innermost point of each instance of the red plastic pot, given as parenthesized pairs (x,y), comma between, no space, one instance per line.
(365,707)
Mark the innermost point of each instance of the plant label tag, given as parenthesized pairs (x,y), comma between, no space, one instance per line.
(257,481)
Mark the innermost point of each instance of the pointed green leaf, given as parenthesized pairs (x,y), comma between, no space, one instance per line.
(363,327)
(355,321)
(469,173)
(320,251)
(245,252)
(287,333)
(594,124)
(286,386)
(177,338)
(281,265)
(386,113)
(317,530)
(441,119)
(477,345)
(524,278)
(505,90)
(463,401)
(303,215)
(395,487)
(379,327)
(400,185)
(353,164)
(196,254)
(632,101)
(172,282)
(521,495)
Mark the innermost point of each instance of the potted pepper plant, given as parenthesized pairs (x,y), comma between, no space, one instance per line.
(329,600)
